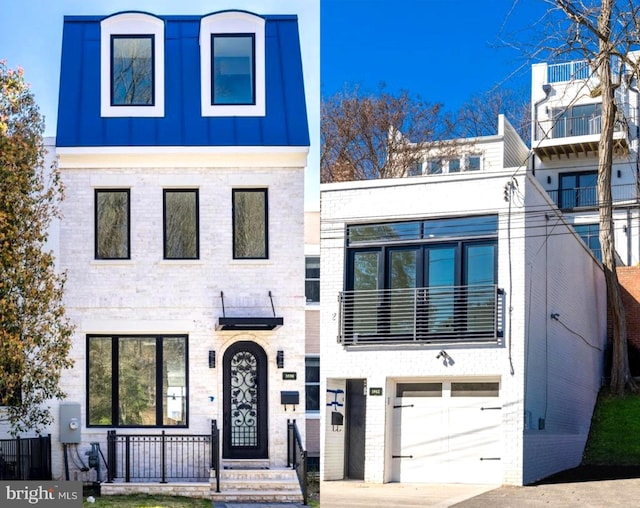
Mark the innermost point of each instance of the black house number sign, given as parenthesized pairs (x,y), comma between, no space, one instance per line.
(289,375)
(375,391)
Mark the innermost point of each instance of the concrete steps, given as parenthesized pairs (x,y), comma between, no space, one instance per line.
(256,482)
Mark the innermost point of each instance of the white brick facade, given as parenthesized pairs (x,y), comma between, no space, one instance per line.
(574,289)
(150,295)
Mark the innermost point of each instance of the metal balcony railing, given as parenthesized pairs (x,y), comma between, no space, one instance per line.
(569,126)
(568,71)
(587,197)
(422,315)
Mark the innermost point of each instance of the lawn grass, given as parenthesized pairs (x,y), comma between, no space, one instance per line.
(147,501)
(614,438)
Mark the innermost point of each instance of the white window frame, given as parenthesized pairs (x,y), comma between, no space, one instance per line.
(225,23)
(131,23)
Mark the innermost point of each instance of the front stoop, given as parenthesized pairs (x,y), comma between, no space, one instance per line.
(248,484)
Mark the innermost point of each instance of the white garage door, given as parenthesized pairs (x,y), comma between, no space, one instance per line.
(447,432)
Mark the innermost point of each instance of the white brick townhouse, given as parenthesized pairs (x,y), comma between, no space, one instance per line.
(182,143)
(463,324)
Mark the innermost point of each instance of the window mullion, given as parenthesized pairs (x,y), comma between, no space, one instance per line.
(159,383)
(115,386)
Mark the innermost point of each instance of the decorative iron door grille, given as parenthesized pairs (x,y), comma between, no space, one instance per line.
(245,402)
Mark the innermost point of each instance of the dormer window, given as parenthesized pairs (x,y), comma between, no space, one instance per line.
(132,70)
(132,66)
(232,60)
(233,69)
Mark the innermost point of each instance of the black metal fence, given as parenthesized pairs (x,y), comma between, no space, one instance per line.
(161,457)
(25,458)
(297,456)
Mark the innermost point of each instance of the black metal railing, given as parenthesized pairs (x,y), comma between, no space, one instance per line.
(25,458)
(160,457)
(587,197)
(215,452)
(437,314)
(297,456)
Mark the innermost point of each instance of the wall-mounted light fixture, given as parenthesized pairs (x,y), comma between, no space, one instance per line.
(212,359)
(619,173)
(548,179)
(280,359)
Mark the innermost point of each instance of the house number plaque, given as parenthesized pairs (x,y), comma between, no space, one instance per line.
(375,391)
(292,376)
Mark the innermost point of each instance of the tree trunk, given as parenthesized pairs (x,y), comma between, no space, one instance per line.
(620,371)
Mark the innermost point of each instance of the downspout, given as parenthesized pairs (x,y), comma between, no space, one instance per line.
(546,88)
(628,80)
(628,228)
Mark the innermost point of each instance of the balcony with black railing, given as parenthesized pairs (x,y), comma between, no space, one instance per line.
(587,197)
(427,315)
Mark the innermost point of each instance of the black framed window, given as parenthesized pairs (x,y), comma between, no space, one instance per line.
(443,269)
(137,381)
(112,224)
(578,189)
(312,279)
(132,66)
(312,383)
(181,224)
(590,234)
(250,224)
(233,69)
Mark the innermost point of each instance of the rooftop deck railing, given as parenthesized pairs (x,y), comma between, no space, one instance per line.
(440,314)
(568,71)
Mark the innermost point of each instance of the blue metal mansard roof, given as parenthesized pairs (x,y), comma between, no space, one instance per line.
(80,123)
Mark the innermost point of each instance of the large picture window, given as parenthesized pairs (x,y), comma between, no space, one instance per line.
(112,224)
(181,224)
(137,381)
(233,69)
(250,224)
(132,70)
(422,280)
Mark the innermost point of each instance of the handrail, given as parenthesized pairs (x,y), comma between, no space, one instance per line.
(297,457)
(215,452)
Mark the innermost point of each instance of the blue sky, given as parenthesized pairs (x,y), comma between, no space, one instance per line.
(443,50)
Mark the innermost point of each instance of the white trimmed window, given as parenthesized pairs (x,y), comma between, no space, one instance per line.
(132,65)
(232,63)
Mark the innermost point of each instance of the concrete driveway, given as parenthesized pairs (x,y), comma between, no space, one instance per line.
(584,487)
(356,494)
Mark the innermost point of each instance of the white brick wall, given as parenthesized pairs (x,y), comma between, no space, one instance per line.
(150,295)
(428,198)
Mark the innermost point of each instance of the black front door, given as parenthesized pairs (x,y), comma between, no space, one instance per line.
(245,402)
(355,401)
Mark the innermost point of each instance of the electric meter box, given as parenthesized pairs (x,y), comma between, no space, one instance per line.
(70,422)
